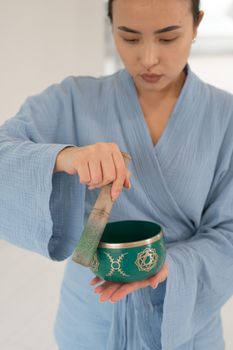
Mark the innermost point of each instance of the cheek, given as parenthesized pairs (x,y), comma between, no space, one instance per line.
(186,43)
(127,54)
(180,52)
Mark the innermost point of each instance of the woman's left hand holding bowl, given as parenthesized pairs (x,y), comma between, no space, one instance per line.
(114,291)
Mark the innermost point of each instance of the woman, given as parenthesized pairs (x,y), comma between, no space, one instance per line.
(178,131)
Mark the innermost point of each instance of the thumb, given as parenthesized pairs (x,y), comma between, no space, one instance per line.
(115,187)
(159,277)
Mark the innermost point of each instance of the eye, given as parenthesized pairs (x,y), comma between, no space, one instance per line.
(167,41)
(131,41)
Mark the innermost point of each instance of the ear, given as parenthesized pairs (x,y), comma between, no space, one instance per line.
(196,25)
(200,17)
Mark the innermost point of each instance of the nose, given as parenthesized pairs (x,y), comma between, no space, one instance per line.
(149,56)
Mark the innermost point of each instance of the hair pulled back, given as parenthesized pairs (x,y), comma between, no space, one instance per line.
(195,9)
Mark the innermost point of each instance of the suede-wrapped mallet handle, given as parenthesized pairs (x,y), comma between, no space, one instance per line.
(96,223)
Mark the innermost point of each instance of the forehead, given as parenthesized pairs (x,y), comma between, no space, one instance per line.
(148,12)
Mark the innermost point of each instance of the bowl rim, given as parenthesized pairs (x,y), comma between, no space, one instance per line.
(147,241)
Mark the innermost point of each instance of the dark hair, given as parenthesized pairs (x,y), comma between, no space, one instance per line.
(195,9)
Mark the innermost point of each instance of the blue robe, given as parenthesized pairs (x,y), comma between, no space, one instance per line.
(184,183)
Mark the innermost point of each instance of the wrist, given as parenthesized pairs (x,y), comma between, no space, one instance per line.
(58,165)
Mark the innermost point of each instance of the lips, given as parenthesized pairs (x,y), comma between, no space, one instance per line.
(151,75)
(151,78)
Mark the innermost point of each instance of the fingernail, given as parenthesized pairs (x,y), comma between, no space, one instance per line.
(102,300)
(93,284)
(155,286)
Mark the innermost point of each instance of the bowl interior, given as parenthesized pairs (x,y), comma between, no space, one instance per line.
(129,231)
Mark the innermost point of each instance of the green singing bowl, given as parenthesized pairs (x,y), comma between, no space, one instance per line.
(129,251)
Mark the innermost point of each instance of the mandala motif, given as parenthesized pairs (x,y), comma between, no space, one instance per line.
(147,259)
(95,263)
(116,265)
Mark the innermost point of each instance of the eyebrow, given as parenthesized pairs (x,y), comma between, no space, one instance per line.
(162,30)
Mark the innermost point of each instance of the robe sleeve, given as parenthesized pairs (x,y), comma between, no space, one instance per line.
(34,200)
(201,268)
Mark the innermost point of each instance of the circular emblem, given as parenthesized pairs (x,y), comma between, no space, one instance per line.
(116,265)
(147,259)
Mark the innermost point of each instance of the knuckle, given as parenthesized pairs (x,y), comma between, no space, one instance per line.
(88,152)
(114,146)
(108,179)
(93,152)
(121,177)
(100,145)
(96,182)
(97,145)
(101,149)
(82,160)
(121,172)
(85,180)
(117,187)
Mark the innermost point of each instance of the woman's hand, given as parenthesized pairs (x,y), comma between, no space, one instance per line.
(112,291)
(97,165)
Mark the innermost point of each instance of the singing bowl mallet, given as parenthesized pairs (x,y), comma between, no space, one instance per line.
(96,223)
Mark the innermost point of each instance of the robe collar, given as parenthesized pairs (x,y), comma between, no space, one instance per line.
(145,156)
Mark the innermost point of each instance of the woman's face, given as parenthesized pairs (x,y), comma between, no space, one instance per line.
(165,29)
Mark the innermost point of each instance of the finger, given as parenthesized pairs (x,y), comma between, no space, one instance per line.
(103,286)
(121,174)
(160,277)
(96,280)
(127,183)
(96,172)
(106,290)
(108,170)
(128,288)
(84,172)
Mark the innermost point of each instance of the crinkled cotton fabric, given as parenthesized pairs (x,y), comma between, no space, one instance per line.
(184,182)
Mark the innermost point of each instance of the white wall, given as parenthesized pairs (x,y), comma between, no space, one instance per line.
(43,41)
